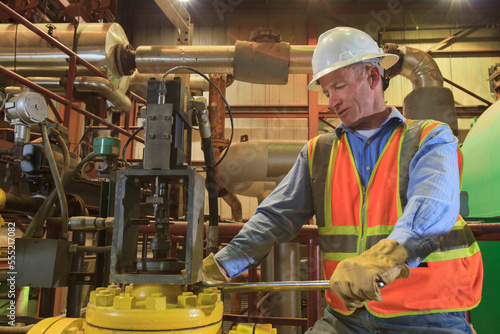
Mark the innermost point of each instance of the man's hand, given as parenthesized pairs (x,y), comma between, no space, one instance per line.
(212,271)
(356,280)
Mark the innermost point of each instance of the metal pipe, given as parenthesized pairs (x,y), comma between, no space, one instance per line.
(209,59)
(260,160)
(74,304)
(97,85)
(20,203)
(216,109)
(92,249)
(64,101)
(286,267)
(10,12)
(104,87)
(248,287)
(139,82)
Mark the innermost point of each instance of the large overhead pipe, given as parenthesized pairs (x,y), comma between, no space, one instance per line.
(221,59)
(101,44)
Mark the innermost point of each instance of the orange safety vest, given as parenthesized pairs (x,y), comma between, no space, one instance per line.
(352,218)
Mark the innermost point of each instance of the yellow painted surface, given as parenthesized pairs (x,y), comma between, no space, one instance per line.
(58,326)
(153,308)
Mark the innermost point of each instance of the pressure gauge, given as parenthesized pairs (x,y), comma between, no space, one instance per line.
(27,108)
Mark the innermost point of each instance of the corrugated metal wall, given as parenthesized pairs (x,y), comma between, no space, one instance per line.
(467,70)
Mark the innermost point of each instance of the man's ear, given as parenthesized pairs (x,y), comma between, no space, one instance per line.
(374,76)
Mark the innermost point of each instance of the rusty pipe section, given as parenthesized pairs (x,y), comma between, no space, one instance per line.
(210,59)
(97,85)
(420,68)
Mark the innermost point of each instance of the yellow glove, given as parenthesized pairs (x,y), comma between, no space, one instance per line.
(212,271)
(355,280)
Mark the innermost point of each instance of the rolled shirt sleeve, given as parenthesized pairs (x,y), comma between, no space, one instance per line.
(433,196)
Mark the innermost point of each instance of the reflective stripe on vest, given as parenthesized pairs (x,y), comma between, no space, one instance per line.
(350,223)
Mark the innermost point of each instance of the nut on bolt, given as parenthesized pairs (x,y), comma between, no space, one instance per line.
(93,294)
(156,302)
(104,298)
(209,296)
(187,300)
(114,289)
(124,301)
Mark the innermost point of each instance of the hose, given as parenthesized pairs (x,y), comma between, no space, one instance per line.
(36,223)
(57,180)
(213,203)
(129,139)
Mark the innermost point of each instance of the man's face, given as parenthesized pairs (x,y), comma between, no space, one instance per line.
(350,95)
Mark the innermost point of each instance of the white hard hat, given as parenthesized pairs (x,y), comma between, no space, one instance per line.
(343,46)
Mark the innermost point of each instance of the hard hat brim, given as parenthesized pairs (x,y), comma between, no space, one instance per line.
(386,60)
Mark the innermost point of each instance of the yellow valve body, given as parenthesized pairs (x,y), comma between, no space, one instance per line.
(141,309)
(153,308)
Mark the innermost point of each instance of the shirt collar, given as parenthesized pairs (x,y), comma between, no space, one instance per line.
(394,114)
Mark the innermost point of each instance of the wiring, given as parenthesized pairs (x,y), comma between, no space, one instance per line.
(126,145)
(220,93)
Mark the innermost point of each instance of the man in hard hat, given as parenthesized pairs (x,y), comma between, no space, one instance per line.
(385,192)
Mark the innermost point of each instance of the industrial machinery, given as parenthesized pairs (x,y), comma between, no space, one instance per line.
(158,284)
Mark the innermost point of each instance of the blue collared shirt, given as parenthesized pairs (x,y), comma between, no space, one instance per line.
(432,208)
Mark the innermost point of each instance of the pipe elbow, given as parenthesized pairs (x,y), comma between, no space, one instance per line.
(420,68)
(104,87)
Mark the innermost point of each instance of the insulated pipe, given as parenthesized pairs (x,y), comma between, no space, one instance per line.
(210,59)
(89,85)
(420,68)
(428,99)
(25,53)
(260,160)
(139,83)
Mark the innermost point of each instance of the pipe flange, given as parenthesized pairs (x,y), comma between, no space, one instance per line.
(395,69)
(125,59)
(220,143)
(265,35)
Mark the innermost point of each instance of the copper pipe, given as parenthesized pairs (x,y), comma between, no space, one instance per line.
(217,109)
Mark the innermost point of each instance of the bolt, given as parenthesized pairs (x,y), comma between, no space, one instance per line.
(151,136)
(208,297)
(167,118)
(124,302)
(128,288)
(114,289)
(104,298)
(165,136)
(187,300)
(94,293)
(156,302)
(152,117)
